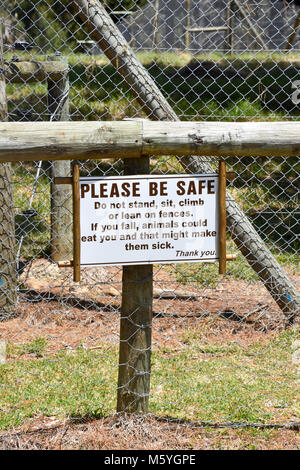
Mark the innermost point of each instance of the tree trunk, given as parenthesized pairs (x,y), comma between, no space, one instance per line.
(8,274)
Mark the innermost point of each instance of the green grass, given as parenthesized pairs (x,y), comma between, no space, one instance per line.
(36,347)
(203,381)
(208,274)
(66,384)
(263,91)
(225,382)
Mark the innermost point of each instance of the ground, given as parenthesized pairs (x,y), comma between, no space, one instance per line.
(72,316)
(148,433)
(63,311)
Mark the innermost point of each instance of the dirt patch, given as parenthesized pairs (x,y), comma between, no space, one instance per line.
(71,315)
(72,327)
(100,288)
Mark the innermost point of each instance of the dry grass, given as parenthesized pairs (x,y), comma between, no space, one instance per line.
(143,433)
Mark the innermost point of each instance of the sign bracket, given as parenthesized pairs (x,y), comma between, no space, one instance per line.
(76,223)
(74,181)
(222,216)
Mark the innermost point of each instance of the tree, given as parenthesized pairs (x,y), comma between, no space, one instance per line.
(8,273)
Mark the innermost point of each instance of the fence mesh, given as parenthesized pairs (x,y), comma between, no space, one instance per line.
(224,351)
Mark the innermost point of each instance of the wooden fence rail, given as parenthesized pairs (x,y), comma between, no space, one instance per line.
(34,71)
(29,141)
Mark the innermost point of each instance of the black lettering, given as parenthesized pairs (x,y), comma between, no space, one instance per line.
(103,190)
(153,188)
(181,188)
(84,188)
(125,189)
(211,187)
(114,190)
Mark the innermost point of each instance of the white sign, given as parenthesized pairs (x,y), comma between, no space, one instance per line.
(148,219)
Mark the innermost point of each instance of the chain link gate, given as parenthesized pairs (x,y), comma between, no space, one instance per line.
(225,349)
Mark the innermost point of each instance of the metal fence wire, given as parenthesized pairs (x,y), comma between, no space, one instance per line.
(225,348)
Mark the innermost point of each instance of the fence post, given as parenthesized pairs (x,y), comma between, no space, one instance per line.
(61,196)
(187,36)
(8,268)
(135,326)
(229,22)
(222,216)
(155,27)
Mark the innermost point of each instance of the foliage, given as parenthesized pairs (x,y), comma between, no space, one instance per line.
(120,5)
(54,22)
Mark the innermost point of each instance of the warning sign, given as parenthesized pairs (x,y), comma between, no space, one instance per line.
(148,219)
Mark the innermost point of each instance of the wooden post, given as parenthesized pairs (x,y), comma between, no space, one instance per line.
(135,326)
(292,36)
(222,216)
(207,29)
(30,71)
(8,268)
(250,24)
(76,224)
(155,31)
(188,25)
(82,140)
(229,21)
(61,198)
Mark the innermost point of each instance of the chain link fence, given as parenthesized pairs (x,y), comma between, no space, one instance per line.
(225,349)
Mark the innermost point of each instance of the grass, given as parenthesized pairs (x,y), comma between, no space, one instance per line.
(263,91)
(208,274)
(176,58)
(212,382)
(226,382)
(36,347)
(66,384)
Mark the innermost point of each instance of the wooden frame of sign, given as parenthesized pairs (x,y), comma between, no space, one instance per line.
(222,216)
(74,181)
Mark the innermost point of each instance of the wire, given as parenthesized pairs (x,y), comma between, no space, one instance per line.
(62,101)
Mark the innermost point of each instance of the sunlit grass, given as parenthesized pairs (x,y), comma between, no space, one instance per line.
(33,231)
(206,381)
